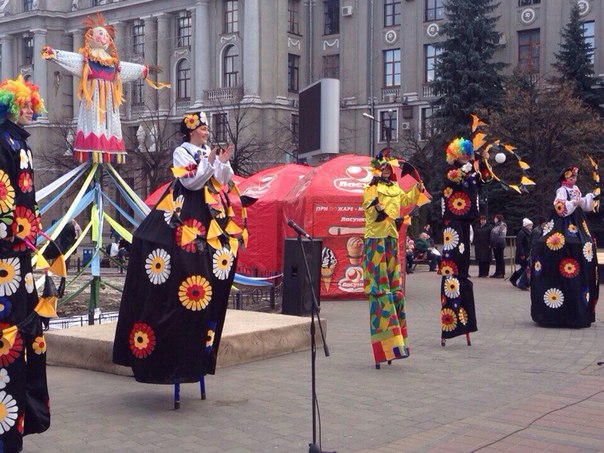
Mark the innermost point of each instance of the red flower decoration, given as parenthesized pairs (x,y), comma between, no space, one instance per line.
(448,268)
(454,175)
(25,226)
(459,203)
(8,353)
(142,340)
(197,226)
(569,267)
(25,182)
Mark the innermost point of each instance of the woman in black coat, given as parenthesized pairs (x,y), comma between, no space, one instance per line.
(482,247)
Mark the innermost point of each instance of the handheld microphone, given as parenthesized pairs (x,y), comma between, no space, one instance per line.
(297,229)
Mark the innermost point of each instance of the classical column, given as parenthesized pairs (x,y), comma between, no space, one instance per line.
(7,56)
(251,52)
(201,64)
(150,50)
(163,61)
(40,66)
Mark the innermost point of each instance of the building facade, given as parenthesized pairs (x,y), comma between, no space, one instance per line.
(219,54)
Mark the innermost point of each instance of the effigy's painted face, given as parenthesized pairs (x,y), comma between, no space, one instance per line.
(100,38)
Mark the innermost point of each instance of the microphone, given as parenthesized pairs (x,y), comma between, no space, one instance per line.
(297,229)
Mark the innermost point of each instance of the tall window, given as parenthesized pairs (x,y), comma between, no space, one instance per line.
(293,72)
(434,10)
(138,37)
(431,53)
(231,16)
(528,50)
(184,29)
(392,12)
(392,67)
(28,5)
(183,80)
(331,66)
(220,121)
(427,126)
(28,50)
(331,10)
(589,36)
(138,92)
(389,126)
(293,22)
(229,63)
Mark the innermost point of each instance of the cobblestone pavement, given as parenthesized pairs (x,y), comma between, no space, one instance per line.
(518,388)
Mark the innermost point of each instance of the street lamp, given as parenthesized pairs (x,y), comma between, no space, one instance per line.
(387,127)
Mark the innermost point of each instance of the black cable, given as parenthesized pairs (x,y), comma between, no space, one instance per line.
(536,420)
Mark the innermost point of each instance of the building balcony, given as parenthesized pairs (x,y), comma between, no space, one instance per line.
(428,90)
(227,94)
(390,94)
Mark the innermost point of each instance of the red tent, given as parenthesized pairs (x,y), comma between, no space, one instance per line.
(263,255)
(327,204)
(153,197)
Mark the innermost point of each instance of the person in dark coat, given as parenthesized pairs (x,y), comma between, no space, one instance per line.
(523,249)
(498,234)
(482,246)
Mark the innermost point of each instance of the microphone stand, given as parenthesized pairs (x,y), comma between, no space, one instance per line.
(313,447)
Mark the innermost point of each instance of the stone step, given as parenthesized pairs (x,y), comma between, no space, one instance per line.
(247,336)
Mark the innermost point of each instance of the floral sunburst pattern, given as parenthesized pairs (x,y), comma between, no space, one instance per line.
(177,203)
(8,353)
(548,227)
(7,193)
(157,266)
(23,159)
(569,267)
(585,296)
(459,203)
(447,192)
(25,182)
(8,412)
(4,378)
(25,226)
(555,241)
(195,293)
(585,227)
(191,121)
(451,288)
(197,227)
(211,336)
(588,251)
(450,239)
(39,345)
(222,262)
(572,229)
(142,340)
(553,298)
(462,315)
(5,307)
(29,282)
(560,208)
(537,266)
(448,320)
(448,268)
(10,276)
(455,175)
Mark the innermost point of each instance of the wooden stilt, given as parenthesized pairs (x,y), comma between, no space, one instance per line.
(176,396)
(202,387)
(468,339)
(443,342)
(377,366)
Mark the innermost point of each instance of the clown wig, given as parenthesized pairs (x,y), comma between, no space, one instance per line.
(458,148)
(15,94)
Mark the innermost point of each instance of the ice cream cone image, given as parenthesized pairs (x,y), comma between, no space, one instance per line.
(354,248)
(328,266)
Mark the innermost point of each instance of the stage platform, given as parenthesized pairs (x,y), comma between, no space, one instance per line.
(247,336)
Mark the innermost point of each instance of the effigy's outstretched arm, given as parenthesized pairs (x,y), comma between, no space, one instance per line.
(71,61)
(132,71)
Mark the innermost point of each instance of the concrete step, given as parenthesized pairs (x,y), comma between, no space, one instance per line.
(247,336)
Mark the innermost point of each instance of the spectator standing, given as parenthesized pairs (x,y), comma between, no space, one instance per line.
(523,250)
(498,233)
(482,246)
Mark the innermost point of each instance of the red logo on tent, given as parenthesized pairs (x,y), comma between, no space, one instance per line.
(356,178)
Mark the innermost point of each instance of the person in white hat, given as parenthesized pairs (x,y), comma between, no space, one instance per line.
(523,248)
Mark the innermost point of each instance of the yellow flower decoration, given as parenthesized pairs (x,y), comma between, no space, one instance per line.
(39,345)
(555,241)
(7,193)
(448,320)
(447,192)
(195,293)
(191,121)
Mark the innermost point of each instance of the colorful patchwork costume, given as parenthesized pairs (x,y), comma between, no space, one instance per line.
(383,200)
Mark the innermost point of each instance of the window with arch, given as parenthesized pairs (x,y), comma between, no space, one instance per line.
(183,80)
(230,73)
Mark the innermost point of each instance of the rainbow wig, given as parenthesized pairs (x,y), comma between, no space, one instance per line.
(14,94)
(458,148)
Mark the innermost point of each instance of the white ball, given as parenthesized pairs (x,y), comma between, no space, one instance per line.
(500,158)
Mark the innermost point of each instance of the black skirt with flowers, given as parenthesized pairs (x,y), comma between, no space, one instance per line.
(564,273)
(176,293)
